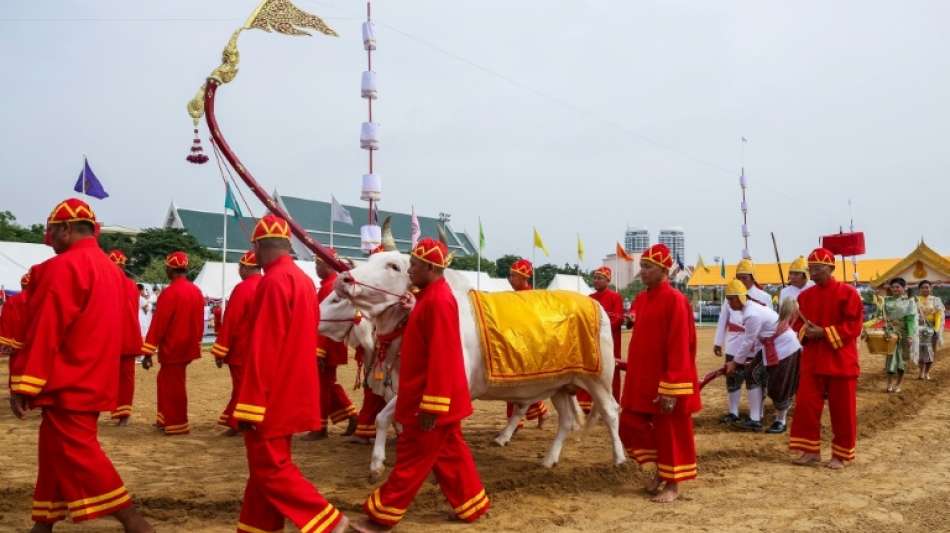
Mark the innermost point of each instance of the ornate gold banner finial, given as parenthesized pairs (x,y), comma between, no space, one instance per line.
(270,15)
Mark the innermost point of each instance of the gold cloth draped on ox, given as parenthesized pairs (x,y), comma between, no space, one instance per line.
(527,335)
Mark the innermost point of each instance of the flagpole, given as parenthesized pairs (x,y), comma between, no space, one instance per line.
(534,254)
(578,274)
(224,248)
(478,261)
(331,225)
(83,171)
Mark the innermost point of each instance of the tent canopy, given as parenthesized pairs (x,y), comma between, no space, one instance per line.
(569,282)
(16,258)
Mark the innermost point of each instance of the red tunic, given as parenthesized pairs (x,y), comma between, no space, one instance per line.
(837,308)
(177,325)
(280,393)
(612,303)
(71,357)
(235,328)
(13,321)
(131,330)
(333,352)
(432,372)
(662,355)
(216,317)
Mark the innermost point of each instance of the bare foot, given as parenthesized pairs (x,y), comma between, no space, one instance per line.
(132,521)
(835,464)
(365,525)
(807,459)
(890,388)
(668,494)
(315,435)
(122,421)
(231,432)
(653,485)
(897,389)
(342,526)
(350,427)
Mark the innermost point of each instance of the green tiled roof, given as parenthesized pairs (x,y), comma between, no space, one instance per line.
(314,216)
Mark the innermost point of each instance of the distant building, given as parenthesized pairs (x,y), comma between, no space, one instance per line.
(314,216)
(636,240)
(624,272)
(674,239)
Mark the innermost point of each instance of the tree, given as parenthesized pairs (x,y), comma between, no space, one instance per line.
(156,243)
(116,241)
(11,231)
(470,262)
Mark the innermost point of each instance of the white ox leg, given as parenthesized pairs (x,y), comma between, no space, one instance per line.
(517,414)
(565,423)
(383,420)
(605,406)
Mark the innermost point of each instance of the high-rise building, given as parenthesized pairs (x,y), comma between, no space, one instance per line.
(674,239)
(636,240)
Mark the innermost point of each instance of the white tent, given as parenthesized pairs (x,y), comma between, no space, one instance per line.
(569,282)
(16,258)
(209,279)
(484,282)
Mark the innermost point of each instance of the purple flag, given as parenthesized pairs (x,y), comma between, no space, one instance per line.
(89,184)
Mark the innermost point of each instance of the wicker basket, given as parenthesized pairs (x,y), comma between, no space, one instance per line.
(879,344)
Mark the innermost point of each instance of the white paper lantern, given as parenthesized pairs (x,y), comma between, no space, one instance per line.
(372,187)
(369,35)
(745,230)
(743,181)
(369,136)
(746,254)
(745,206)
(371,236)
(368,85)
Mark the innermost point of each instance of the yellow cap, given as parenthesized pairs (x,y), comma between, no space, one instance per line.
(737,288)
(745,267)
(799,265)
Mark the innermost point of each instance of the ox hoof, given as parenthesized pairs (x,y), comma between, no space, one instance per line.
(620,462)
(549,464)
(500,442)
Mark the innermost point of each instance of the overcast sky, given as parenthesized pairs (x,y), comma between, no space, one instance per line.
(572,116)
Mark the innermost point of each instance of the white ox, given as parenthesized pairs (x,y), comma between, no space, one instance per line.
(373,287)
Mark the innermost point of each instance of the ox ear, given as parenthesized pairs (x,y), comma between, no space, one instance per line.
(388,241)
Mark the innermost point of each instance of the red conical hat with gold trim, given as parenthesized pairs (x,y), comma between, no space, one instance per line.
(271,227)
(249,259)
(176,260)
(71,210)
(118,257)
(604,272)
(433,252)
(660,255)
(821,256)
(522,267)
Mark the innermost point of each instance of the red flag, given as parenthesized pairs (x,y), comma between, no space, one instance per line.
(622,254)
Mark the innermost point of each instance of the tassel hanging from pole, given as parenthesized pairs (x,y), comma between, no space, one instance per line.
(197,155)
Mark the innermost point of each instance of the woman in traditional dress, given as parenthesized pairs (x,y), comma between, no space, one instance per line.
(930,325)
(900,319)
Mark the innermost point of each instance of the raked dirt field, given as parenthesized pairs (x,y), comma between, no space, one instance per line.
(900,481)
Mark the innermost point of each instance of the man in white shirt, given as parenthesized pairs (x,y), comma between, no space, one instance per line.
(765,342)
(728,334)
(797,281)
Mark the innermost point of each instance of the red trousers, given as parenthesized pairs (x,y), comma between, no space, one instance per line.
(334,403)
(235,371)
(535,411)
(366,419)
(586,402)
(126,387)
(810,401)
(664,439)
(442,450)
(173,399)
(75,478)
(276,489)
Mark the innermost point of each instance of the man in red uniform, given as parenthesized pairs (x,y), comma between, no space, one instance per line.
(829,326)
(433,399)
(69,367)
(519,277)
(13,320)
(131,344)
(612,303)
(280,393)
(334,403)
(175,333)
(231,343)
(661,391)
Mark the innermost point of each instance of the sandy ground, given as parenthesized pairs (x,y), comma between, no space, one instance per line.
(900,481)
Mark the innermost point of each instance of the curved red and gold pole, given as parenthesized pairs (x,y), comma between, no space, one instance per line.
(211,88)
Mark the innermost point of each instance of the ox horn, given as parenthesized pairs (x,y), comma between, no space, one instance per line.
(442,235)
(388,241)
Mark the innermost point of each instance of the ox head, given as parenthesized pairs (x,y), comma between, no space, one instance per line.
(337,317)
(377,285)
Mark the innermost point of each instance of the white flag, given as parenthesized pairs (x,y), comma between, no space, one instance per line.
(338,213)
(414,228)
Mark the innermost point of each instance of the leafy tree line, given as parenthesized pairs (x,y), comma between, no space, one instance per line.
(499,268)
(146,252)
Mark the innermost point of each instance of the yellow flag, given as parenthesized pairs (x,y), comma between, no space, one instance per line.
(580,247)
(701,264)
(538,243)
